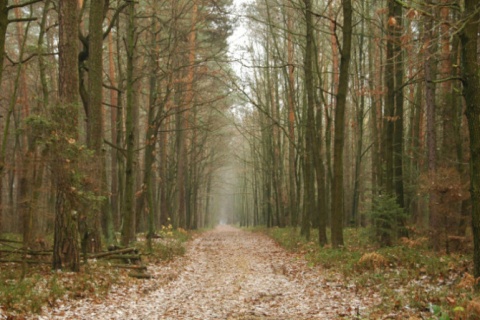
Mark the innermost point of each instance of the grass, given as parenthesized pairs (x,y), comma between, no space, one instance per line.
(412,280)
(26,290)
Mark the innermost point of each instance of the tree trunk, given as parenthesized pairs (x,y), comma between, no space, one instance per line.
(114,177)
(389,116)
(292,213)
(120,158)
(434,220)
(25,145)
(164,212)
(471,92)
(398,122)
(128,224)
(183,127)
(337,185)
(309,183)
(448,105)
(3,33)
(320,178)
(355,216)
(189,102)
(92,232)
(65,248)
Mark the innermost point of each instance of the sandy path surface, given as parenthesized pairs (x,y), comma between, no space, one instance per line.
(227,274)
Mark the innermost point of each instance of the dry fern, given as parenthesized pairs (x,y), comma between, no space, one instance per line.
(473,309)
(468,281)
(413,243)
(373,261)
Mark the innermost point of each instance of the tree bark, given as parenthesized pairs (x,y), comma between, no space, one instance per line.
(337,185)
(434,219)
(128,229)
(25,144)
(398,122)
(471,93)
(114,101)
(292,214)
(3,33)
(92,230)
(309,179)
(448,105)
(389,115)
(65,248)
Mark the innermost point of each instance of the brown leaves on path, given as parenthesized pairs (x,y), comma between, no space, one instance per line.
(227,274)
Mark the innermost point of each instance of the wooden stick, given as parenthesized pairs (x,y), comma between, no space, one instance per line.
(109,253)
(10,241)
(124,256)
(139,275)
(28,252)
(134,267)
(24,261)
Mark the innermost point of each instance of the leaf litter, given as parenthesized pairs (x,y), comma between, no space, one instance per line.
(226,273)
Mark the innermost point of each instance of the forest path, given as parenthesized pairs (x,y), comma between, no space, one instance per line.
(228,273)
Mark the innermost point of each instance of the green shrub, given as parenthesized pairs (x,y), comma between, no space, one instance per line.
(387,220)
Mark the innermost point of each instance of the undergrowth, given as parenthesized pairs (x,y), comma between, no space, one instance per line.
(409,279)
(26,290)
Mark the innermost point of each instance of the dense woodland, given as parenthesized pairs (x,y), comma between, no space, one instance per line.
(362,113)
(113,119)
(120,117)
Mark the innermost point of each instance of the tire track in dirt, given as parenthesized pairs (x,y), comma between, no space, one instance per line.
(229,274)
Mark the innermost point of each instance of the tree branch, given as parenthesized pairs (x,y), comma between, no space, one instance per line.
(447,79)
(114,18)
(22,20)
(20,62)
(107,86)
(21,5)
(121,150)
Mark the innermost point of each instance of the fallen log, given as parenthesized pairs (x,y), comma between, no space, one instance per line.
(134,267)
(125,256)
(28,252)
(110,253)
(10,241)
(140,275)
(24,261)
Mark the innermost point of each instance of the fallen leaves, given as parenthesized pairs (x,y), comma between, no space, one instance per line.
(226,274)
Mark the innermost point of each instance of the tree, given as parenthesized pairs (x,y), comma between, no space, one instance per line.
(309,184)
(471,93)
(398,114)
(92,228)
(337,185)
(431,120)
(292,217)
(128,230)
(66,250)
(3,31)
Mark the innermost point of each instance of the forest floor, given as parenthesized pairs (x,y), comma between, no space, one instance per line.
(227,273)
(260,273)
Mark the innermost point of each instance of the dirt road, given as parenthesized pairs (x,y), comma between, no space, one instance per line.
(228,274)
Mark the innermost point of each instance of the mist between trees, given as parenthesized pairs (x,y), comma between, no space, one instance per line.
(120,117)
